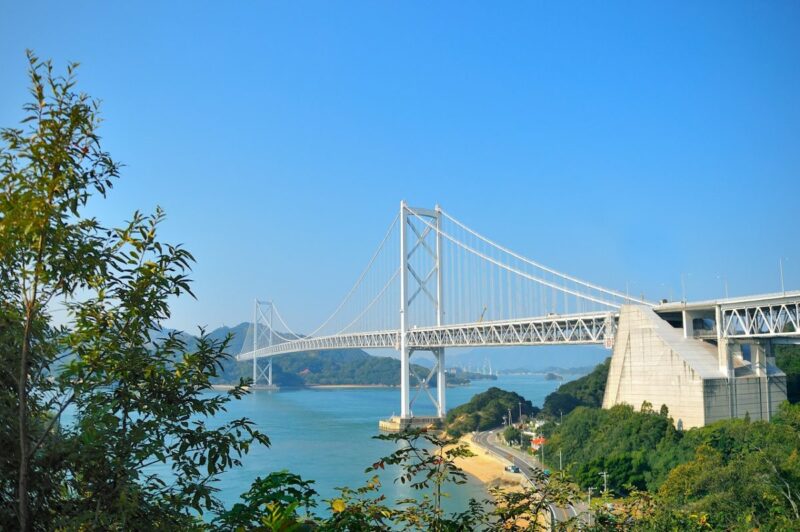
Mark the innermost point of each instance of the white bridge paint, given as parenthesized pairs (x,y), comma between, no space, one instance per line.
(769,317)
(765,316)
(576,329)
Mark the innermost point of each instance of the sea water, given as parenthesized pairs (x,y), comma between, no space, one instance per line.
(326,435)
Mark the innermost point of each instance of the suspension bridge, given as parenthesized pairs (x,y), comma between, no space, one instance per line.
(434,283)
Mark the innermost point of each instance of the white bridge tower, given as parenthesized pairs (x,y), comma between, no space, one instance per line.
(263,314)
(421,300)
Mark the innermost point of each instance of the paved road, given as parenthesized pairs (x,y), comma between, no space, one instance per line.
(526,464)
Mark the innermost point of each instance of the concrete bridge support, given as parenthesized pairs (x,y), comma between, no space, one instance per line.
(698,381)
(438,370)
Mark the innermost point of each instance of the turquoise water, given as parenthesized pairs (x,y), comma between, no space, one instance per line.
(325,435)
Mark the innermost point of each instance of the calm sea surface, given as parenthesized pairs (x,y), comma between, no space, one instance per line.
(325,435)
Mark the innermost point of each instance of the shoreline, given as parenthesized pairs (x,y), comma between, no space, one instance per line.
(335,386)
(328,386)
(486,467)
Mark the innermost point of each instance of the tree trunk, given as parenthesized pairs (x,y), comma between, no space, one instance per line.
(23,509)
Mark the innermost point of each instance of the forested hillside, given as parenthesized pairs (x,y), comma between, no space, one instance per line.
(584,391)
(486,411)
(343,366)
(787,357)
(732,474)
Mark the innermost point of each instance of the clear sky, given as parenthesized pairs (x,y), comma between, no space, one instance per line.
(616,141)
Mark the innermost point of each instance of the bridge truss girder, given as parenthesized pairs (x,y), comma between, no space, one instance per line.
(762,320)
(595,328)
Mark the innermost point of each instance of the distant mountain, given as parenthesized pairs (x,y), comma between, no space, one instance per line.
(342,366)
(583,370)
(528,358)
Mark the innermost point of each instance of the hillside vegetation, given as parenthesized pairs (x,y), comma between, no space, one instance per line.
(733,474)
(787,357)
(486,410)
(342,366)
(584,391)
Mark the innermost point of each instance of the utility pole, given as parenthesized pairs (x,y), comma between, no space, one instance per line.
(561,413)
(520,412)
(509,416)
(604,474)
(560,464)
(591,489)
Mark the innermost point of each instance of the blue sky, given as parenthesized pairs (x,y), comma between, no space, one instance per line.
(616,141)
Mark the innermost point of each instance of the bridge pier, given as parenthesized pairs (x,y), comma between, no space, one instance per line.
(406,401)
(405,381)
(264,375)
(700,382)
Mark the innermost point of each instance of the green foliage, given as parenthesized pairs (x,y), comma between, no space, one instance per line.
(522,509)
(486,411)
(137,400)
(512,434)
(339,366)
(787,358)
(732,474)
(272,503)
(584,391)
(427,462)
(48,170)
(742,475)
(636,449)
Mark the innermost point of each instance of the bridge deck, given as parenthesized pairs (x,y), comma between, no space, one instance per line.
(594,328)
(767,316)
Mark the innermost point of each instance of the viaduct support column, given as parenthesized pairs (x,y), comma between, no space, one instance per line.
(759,353)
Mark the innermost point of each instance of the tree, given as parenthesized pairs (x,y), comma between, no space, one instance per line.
(139,395)
(428,461)
(529,508)
(584,391)
(512,434)
(49,170)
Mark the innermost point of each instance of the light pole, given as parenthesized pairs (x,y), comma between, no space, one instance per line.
(683,285)
(724,280)
(604,474)
(628,285)
(780,267)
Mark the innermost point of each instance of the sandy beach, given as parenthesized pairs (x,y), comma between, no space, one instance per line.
(486,467)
